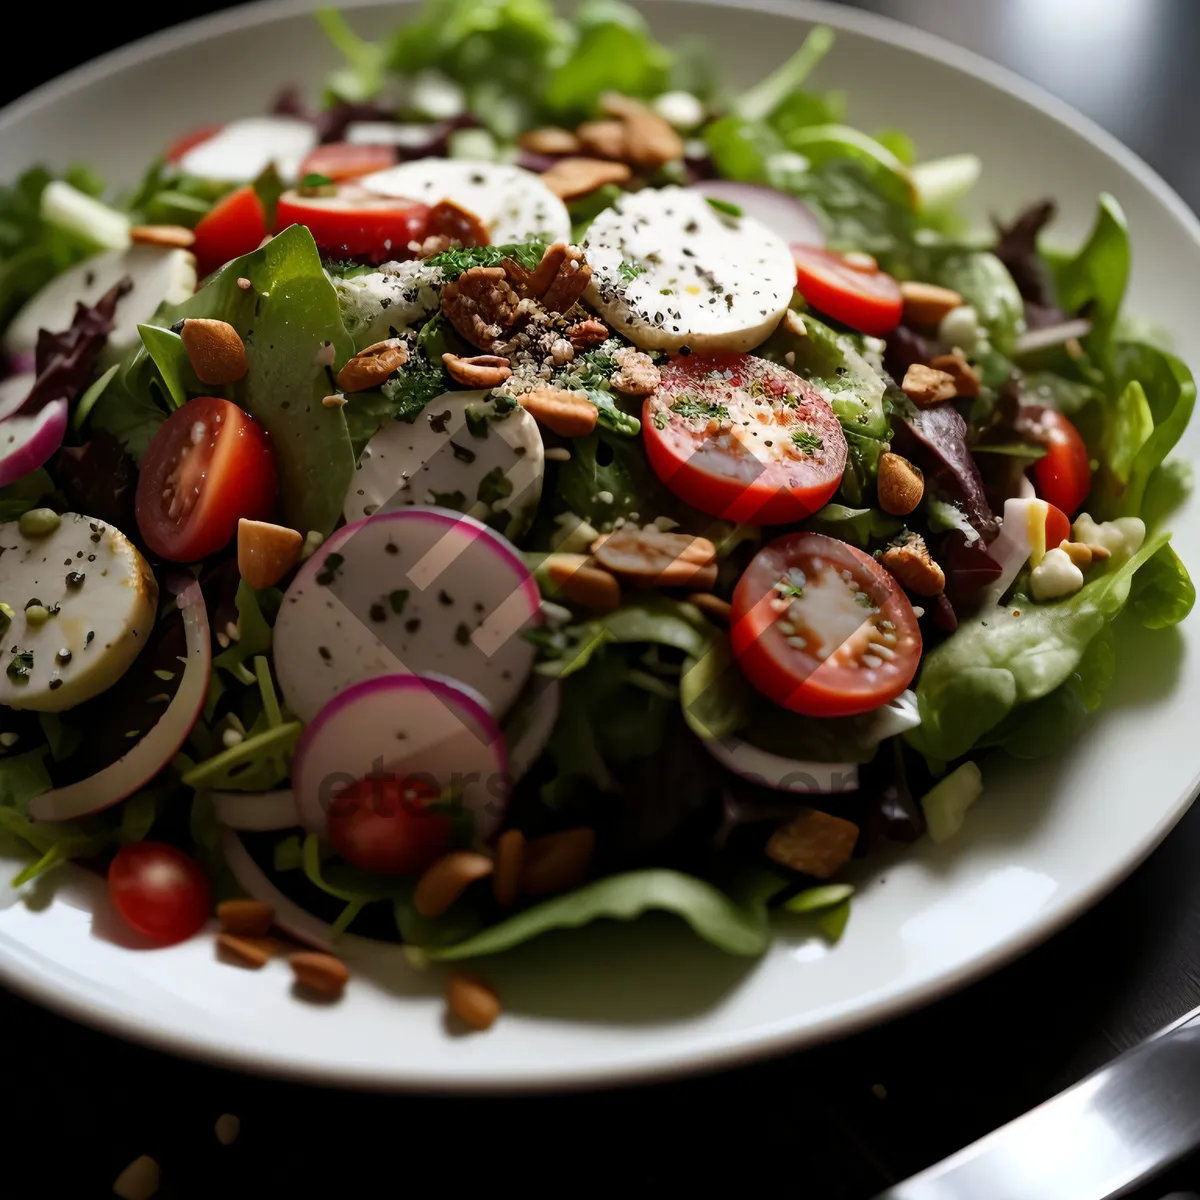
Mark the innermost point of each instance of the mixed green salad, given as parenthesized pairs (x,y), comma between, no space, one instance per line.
(541,483)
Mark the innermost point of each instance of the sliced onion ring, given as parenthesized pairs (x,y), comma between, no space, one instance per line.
(33,438)
(256,811)
(783,774)
(790,218)
(150,754)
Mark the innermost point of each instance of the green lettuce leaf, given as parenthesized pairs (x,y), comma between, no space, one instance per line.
(859,526)
(984,282)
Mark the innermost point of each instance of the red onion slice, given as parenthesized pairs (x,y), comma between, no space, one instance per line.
(14,391)
(256,811)
(790,218)
(783,774)
(28,441)
(150,754)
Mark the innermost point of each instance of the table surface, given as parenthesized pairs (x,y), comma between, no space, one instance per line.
(838,1122)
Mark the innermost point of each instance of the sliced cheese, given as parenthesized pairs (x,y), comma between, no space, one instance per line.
(240,151)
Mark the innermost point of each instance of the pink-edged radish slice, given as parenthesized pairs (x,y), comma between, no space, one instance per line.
(27,441)
(400,727)
(420,590)
(14,391)
(531,723)
(770,770)
(151,753)
(790,218)
(256,811)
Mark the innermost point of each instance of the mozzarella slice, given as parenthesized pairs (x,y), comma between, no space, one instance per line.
(242,150)
(105,596)
(460,453)
(669,270)
(514,204)
(159,275)
(397,296)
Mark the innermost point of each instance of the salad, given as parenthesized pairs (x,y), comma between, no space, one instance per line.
(541,484)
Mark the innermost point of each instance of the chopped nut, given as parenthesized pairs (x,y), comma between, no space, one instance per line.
(322,974)
(549,140)
(571,178)
(713,607)
(605,139)
(925,304)
(557,862)
(370,367)
(793,323)
(471,1000)
(482,371)
(636,374)
(567,413)
(814,842)
(337,400)
(966,378)
(924,386)
(1080,553)
(912,566)
(900,485)
(445,880)
(177,236)
(266,552)
(584,334)
(481,304)
(580,581)
(252,952)
(246,918)
(139,1180)
(215,350)
(650,140)
(510,862)
(561,278)
(244,283)
(227,1128)
(650,557)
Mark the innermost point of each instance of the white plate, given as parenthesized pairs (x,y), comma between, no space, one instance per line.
(622,1003)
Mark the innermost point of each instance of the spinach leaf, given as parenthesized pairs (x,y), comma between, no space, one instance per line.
(984,283)
(1163,592)
(859,526)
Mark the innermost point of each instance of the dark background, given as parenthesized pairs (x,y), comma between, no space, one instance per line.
(77,1106)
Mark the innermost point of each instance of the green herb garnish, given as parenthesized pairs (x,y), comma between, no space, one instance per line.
(806,441)
(692,407)
(725,206)
(494,487)
(630,271)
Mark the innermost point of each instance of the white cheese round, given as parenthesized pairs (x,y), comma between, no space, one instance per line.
(242,150)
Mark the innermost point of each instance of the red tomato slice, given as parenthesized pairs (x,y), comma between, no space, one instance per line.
(1064,476)
(159,891)
(866,300)
(386,826)
(743,439)
(1058,526)
(235,225)
(821,628)
(355,224)
(347,160)
(189,141)
(208,465)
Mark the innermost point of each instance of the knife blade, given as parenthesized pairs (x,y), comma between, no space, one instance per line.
(1098,1140)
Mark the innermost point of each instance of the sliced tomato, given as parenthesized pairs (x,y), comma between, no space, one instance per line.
(190,140)
(159,891)
(743,439)
(352,223)
(821,628)
(347,160)
(386,826)
(235,225)
(865,299)
(1058,526)
(208,465)
(1063,477)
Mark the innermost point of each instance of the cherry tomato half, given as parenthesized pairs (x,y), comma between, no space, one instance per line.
(159,891)
(347,160)
(1058,526)
(821,628)
(866,300)
(352,223)
(208,465)
(189,141)
(235,225)
(1063,477)
(743,439)
(385,826)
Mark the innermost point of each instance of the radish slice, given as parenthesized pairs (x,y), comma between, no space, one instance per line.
(784,774)
(14,391)
(256,811)
(397,727)
(28,441)
(790,218)
(420,590)
(149,755)
(240,151)
(532,722)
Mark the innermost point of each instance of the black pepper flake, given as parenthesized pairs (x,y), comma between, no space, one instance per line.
(63,656)
(444,597)
(55,683)
(391,548)
(398,599)
(437,421)
(75,579)
(323,651)
(91,635)
(413,625)
(462,635)
(462,453)
(329,569)
(377,613)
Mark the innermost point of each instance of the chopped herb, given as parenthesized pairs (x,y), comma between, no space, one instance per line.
(398,599)
(494,487)
(462,635)
(630,271)
(807,441)
(477,423)
(691,406)
(725,206)
(313,180)
(789,590)
(454,262)
(21,666)
(661,420)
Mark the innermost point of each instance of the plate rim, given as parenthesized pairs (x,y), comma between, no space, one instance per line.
(711,1051)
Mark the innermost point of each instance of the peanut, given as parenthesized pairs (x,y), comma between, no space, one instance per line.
(445,880)
(252,952)
(1080,553)
(650,557)
(603,138)
(899,485)
(550,140)
(557,862)
(925,304)
(246,918)
(925,387)
(966,378)
(910,563)
(480,371)
(370,367)
(713,607)
(571,178)
(215,350)
(175,236)
(322,974)
(266,552)
(580,581)
(567,413)
(813,842)
(471,1000)
(510,861)
(650,140)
